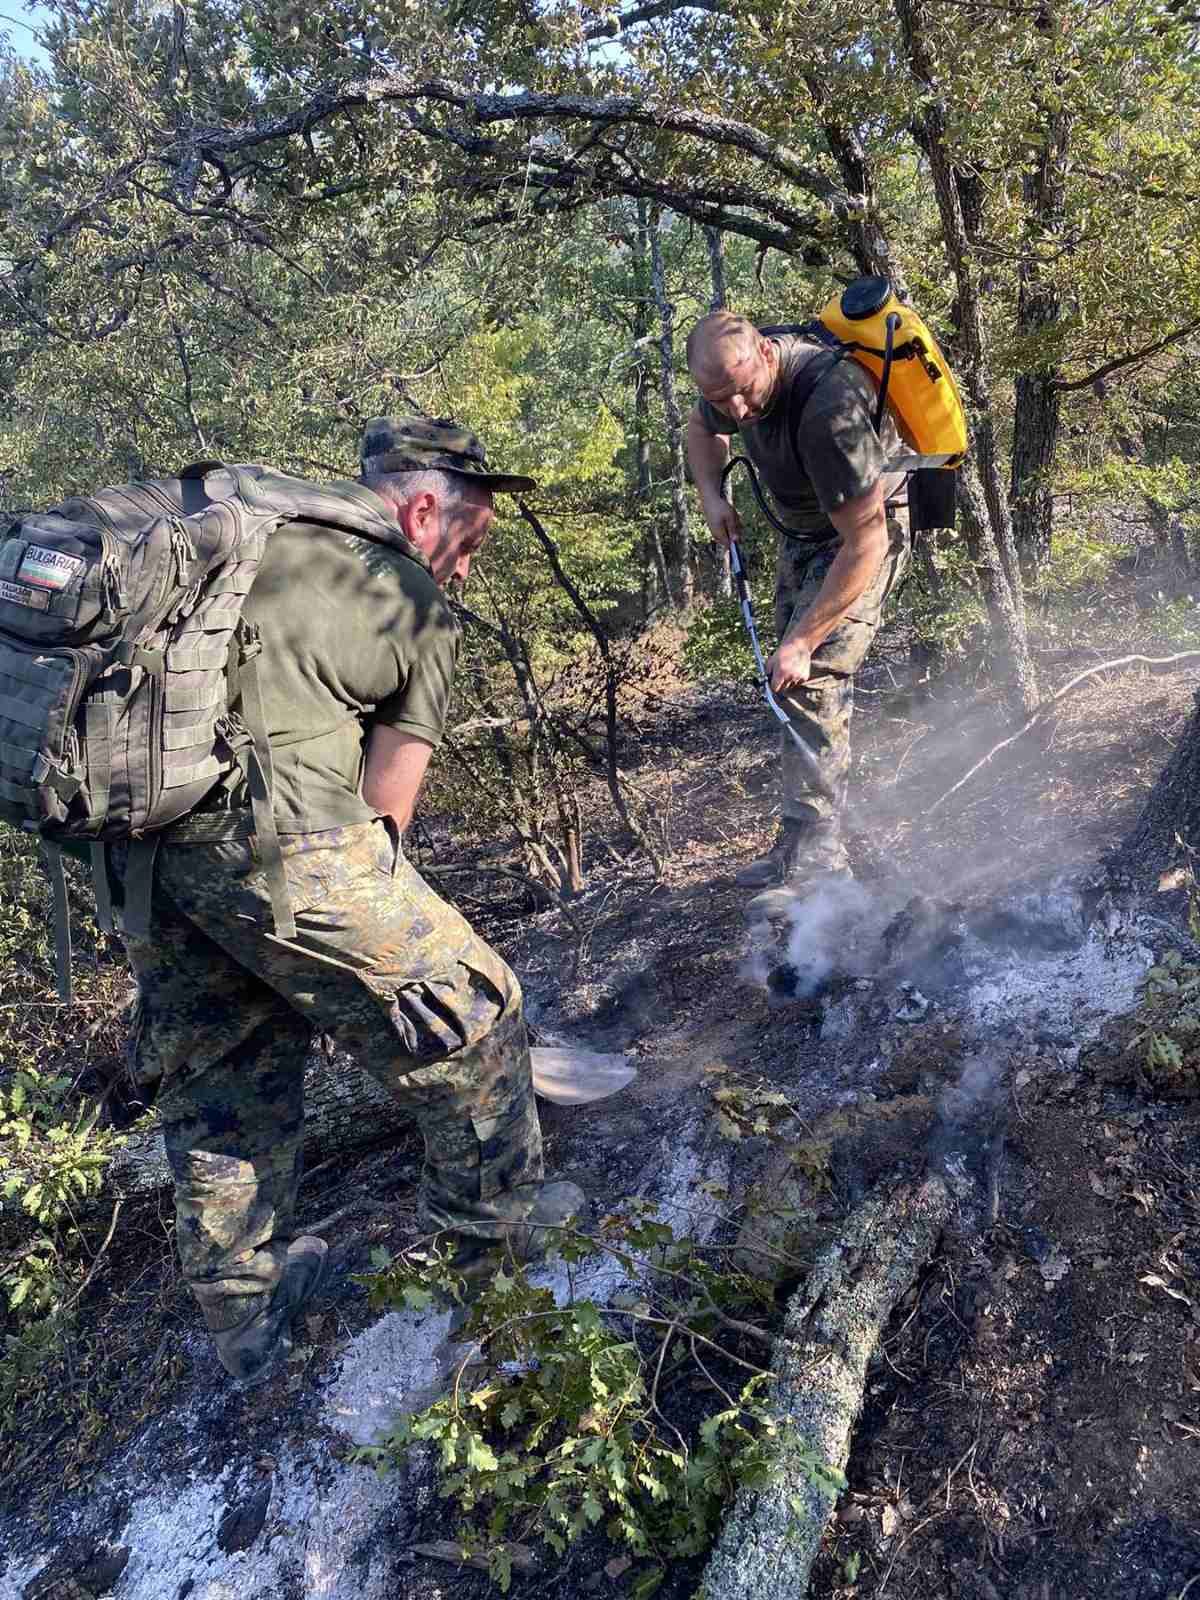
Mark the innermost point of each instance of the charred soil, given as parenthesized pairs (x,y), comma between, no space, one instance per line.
(1032,1420)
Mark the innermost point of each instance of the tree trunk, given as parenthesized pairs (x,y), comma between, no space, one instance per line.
(831,1328)
(1038,401)
(719,298)
(1007,601)
(657,588)
(1035,446)
(1168,829)
(681,542)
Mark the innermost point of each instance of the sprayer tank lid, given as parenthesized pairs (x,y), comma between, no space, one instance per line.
(865,297)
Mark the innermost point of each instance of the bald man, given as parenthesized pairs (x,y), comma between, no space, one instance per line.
(822,462)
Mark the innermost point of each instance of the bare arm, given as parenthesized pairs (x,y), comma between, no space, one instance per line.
(862,524)
(707,456)
(395,767)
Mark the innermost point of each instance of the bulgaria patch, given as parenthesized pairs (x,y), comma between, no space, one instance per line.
(48,569)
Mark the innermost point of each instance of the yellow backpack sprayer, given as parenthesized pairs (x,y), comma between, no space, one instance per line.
(867,324)
(892,342)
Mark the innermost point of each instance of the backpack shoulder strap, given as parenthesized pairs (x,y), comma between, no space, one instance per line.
(803,385)
(341,504)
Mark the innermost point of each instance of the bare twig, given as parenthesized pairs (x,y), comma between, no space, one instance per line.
(604,644)
(96,1259)
(547,895)
(1048,705)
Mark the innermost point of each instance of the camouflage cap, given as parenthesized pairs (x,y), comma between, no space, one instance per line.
(420,444)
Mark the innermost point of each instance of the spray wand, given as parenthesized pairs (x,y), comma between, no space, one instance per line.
(811,765)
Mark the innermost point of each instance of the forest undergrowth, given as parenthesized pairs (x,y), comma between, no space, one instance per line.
(95,1310)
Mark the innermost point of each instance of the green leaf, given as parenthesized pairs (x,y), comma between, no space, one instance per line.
(480,1455)
(500,1567)
(648,1583)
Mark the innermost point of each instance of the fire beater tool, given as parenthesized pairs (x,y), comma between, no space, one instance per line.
(808,759)
(570,1077)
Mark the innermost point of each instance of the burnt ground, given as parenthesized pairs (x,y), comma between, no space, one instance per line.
(1032,1427)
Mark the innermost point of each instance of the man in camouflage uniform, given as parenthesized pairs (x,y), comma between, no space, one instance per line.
(823,464)
(358,653)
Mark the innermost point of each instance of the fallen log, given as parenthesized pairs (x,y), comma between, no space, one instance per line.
(832,1325)
(346,1113)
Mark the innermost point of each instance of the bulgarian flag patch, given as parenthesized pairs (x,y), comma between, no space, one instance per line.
(48,569)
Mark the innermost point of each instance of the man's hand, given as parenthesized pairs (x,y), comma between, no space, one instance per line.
(790,665)
(708,454)
(722,519)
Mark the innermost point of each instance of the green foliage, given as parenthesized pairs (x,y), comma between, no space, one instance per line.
(553,1424)
(1177,619)
(946,612)
(52,1158)
(1079,564)
(716,646)
(25,938)
(52,1153)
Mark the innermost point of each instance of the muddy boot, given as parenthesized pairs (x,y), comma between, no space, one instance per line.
(257,1348)
(778,864)
(819,857)
(559,1205)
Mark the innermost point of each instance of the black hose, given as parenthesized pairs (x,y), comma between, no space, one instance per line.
(889,351)
(744,461)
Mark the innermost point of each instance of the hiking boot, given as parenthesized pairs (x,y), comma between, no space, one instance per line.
(559,1205)
(258,1348)
(779,862)
(818,858)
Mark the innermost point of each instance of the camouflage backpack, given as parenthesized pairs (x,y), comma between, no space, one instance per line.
(122,650)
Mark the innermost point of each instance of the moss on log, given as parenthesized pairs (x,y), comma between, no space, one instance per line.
(832,1325)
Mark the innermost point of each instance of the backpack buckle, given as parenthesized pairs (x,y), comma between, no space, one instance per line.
(249,637)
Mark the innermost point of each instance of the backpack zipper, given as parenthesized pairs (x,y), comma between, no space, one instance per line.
(112,595)
(184,552)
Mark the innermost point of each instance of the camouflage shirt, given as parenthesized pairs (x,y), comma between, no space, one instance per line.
(354,634)
(836,454)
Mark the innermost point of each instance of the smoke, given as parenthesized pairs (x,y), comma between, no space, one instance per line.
(977,1093)
(823,927)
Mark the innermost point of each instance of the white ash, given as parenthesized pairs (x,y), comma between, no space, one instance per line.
(1067,996)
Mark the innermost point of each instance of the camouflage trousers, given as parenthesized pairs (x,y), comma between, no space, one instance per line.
(226,1012)
(820,709)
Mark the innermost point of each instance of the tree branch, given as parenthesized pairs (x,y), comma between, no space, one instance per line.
(1067,385)
(612,26)
(1048,705)
(198,143)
